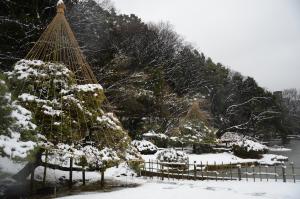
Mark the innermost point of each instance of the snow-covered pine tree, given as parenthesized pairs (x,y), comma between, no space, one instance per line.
(5,108)
(194,127)
(70,120)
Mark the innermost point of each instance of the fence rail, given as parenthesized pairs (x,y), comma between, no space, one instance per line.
(203,171)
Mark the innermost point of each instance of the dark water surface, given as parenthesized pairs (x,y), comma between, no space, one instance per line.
(294,154)
(294,157)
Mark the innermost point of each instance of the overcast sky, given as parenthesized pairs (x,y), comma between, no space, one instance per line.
(259,38)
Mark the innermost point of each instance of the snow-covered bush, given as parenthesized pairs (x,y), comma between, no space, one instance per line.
(249,149)
(194,127)
(68,118)
(5,106)
(231,137)
(144,146)
(171,155)
(159,139)
(197,132)
(16,128)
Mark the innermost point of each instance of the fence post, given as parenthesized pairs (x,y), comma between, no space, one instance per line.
(83,175)
(32,181)
(259,167)
(102,178)
(275,170)
(151,170)
(222,173)
(188,170)
(168,172)
(253,172)
(216,170)
(195,171)
(202,170)
(267,175)
(71,172)
(293,171)
(206,170)
(45,168)
(247,172)
(283,173)
(230,171)
(157,167)
(182,172)
(162,171)
(239,172)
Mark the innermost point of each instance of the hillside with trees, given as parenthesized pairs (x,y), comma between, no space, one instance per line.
(150,75)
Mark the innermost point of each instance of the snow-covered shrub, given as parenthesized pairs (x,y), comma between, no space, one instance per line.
(231,137)
(171,155)
(249,149)
(144,146)
(159,139)
(5,106)
(68,116)
(194,127)
(197,132)
(17,140)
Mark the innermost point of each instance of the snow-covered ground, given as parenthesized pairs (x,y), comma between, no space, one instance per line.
(200,189)
(173,189)
(225,158)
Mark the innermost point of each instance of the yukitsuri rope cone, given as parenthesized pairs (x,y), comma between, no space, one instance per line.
(58,44)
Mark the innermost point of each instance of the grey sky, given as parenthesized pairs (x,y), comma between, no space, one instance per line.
(259,38)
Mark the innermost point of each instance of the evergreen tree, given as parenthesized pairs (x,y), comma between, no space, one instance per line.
(5,107)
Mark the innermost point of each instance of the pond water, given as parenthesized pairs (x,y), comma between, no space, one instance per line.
(294,154)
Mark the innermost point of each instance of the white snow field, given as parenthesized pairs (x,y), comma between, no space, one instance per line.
(200,189)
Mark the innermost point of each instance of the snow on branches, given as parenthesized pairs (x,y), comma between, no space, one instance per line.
(68,118)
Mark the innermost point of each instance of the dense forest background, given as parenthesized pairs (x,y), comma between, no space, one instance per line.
(150,74)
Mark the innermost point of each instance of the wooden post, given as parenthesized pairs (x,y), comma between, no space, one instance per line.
(216,170)
(32,181)
(230,171)
(71,172)
(45,168)
(157,169)
(202,170)
(267,175)
(283,173)
(293,171)
(239,172)
(275,170)
(168,172)
(222,171)
(195,170)
(102,177)
(259,167)
(206,170)
(162,171)
(253,171)
(182,172)
(188,171)
(247,172)
(83,176)
(151,170)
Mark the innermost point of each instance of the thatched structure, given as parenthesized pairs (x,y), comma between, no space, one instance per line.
(58,44)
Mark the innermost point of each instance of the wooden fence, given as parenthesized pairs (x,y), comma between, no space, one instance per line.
(204,171)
